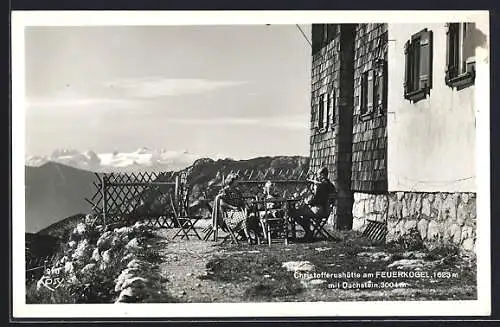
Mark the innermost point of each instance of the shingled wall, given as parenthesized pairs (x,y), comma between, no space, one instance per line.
(324,79)
(369,148)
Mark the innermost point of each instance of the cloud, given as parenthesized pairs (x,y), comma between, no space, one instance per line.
(73,102)
(153,87)
(285,122)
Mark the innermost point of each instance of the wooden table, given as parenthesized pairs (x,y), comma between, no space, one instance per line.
(287,202)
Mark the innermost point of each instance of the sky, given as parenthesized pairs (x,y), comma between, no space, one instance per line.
(241,91)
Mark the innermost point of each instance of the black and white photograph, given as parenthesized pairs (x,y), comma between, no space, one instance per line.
(204,164)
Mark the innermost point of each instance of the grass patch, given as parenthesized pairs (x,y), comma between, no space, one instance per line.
(261,276)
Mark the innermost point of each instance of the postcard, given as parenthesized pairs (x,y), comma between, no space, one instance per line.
(241,164)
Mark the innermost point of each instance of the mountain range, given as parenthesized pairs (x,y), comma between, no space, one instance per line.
(56,191)
(139,160)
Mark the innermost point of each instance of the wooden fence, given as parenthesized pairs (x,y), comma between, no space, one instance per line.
(125,198)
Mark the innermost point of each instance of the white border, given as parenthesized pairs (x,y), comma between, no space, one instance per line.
(21,19)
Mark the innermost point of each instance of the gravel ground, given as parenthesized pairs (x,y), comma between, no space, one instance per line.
(204,271)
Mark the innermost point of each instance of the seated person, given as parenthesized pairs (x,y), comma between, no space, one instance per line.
(318,205)
(272,209)
(232,200)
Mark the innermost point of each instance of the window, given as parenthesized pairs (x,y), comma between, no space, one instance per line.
(333,107)
(367,92)
(460,62)
(418,66)
(373,95)
(326,111)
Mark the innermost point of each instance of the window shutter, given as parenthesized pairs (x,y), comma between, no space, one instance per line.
(370,93)
(425,77)
(327,111)
(321,113)
(334,105)
(362,94)
(407,67)
(451,63)
(381,86)
(317,37)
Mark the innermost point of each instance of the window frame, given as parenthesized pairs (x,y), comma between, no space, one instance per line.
(418,85)
(378,84)
(459,73)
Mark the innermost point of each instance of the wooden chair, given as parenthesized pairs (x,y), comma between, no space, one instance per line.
(185,224)
(274,228)
(319,225)
(219,215)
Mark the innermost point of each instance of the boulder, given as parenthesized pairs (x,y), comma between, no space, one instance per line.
(133,244)
(88,268)
(95,255)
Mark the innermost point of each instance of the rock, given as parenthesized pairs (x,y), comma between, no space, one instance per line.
(468,244)
(107,256)
(95,255)
(467,232)
(133,244)
(407,263)
(69,267)
(436,206)
(72,244)
(298,265)
(123,230)
(453,233)
(89,219)
(125,275)
(405,210)
(422,228)
(128,257)
(135,282)
(136,263)
(131,295)
(409,224)
(465,198)
(426,206)
(88,268)
(82,251)
(449,207)
(80,229)
(104,242)
(463,213)
(358,224)
(433,231)
(358,209)
(400,195)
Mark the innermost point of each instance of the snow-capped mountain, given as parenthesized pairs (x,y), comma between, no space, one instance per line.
(143,159)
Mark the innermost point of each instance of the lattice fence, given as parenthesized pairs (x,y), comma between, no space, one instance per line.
(124,198)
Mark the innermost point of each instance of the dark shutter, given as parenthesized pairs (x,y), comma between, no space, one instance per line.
(334,107)
(451,51)
(317,37)
(327,114)
(369,91)
(425,76)
(331,30)
(406,83)
(362,94)
(321,112)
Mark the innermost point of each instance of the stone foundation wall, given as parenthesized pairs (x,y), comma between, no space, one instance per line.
(439,217)
(368,207)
